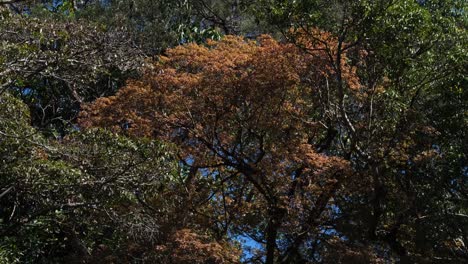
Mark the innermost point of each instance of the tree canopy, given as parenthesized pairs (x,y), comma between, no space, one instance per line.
(233,131)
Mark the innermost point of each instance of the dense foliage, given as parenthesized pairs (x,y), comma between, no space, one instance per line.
(235,131)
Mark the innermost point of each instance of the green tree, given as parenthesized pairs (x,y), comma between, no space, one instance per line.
(411,61)
(54,65)
(85,197)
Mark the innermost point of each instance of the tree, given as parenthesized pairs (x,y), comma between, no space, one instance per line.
(55,65)
(243,114)
(56,55)
(413,55)
(92,197)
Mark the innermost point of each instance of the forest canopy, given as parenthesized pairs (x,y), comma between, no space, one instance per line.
(233,131)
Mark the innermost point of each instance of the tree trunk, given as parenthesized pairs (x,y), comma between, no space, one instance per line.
(271,233)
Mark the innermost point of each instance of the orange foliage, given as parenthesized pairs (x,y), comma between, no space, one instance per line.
(324,45)
(243,105)
(231,101)
(188,247)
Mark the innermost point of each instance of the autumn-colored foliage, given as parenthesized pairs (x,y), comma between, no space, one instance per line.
(187,247)
(244,110)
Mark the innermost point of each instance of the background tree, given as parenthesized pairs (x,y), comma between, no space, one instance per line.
(93,197)
(56,65)
(413,52)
